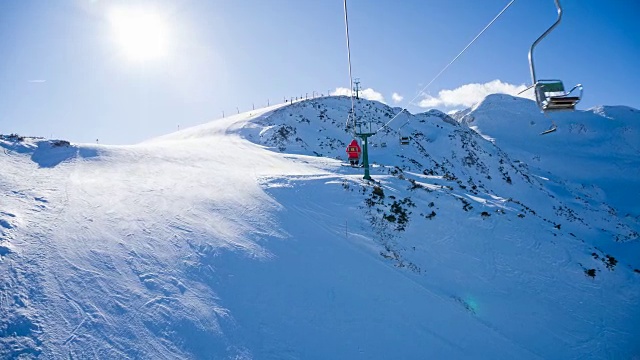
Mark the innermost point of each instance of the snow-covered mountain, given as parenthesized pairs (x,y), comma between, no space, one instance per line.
(248,238)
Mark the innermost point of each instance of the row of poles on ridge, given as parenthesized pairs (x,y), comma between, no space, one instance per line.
(291,99)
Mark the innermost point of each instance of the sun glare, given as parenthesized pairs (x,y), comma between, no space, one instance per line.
(141,34)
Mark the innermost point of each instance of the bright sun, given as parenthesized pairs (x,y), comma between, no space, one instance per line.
(141,34)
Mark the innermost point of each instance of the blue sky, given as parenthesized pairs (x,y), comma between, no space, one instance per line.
(65,73)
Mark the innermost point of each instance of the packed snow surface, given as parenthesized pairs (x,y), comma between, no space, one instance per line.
(249,238)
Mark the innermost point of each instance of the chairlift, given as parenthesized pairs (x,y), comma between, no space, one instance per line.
(551,94)
(404,138)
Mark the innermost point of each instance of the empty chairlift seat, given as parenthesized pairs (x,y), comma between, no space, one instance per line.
(550,95)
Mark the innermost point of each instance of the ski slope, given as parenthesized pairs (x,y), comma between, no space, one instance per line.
(247,238)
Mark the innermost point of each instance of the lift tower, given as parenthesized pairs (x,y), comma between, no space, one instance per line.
(364,134)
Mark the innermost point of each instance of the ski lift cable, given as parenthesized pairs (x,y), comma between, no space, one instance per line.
(346,26)
(450,63)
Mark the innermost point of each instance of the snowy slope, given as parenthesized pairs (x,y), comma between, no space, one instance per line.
(245,238)
(594,155)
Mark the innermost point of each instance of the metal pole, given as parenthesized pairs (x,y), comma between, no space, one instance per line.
(365,158)
(531,65)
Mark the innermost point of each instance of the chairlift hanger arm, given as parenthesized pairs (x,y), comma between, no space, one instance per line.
(531,64)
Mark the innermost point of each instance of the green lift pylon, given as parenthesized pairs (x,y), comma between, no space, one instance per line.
(364,135)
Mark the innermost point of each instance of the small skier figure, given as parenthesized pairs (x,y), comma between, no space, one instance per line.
(353,152)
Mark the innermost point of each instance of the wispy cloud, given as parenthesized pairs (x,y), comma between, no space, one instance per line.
(396,97)
(36,81)
(470,94)
(368,94)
